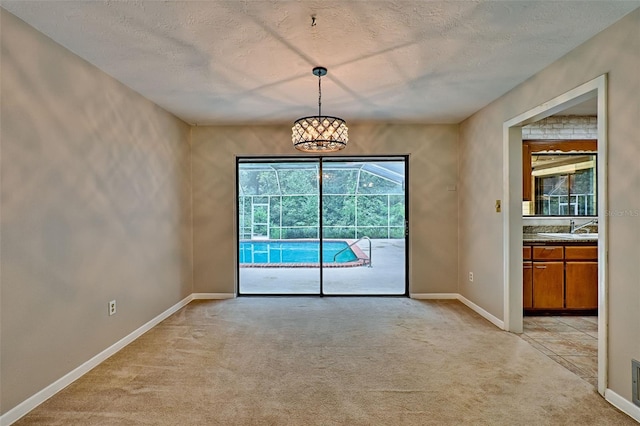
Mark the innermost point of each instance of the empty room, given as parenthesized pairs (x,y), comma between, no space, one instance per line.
(319,212)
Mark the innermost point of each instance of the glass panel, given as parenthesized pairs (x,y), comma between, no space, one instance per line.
(258,182)
(372,184)
(278,216)
(583,192)
(363,200)
(339,181)
(552,195)
(339,217)
(294,180)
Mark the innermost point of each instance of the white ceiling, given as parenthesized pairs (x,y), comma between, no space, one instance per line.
(221,62)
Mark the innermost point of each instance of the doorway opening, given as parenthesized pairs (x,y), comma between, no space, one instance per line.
(322,226)
(513,208)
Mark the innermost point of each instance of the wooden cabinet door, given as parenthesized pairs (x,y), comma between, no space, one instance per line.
(527,285)
(548,285)
(582,285)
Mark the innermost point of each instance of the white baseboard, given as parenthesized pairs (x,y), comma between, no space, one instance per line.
(213,296)
(622,404)
(455,296)
(434,296)
(32,402)
(486,315)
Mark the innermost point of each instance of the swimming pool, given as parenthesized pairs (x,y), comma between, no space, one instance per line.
(298,253)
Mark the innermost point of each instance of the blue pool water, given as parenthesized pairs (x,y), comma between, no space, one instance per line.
(278,252)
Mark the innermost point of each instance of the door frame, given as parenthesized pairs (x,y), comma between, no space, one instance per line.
(512,209)
(320,159)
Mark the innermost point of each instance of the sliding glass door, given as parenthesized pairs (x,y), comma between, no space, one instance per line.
(278,227)
(363,205)
(357,246)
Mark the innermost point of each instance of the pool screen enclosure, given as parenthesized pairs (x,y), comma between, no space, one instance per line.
(322,226)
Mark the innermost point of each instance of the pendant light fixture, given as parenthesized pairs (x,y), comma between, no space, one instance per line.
(319,133)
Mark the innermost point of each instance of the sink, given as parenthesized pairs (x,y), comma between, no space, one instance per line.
(568,236)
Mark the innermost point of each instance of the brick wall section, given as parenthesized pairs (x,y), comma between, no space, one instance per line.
(563,127)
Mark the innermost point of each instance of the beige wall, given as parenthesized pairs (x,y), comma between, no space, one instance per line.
(95,206)
(615,51)
(432,208)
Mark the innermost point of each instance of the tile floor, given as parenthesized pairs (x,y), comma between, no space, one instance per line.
(570,341)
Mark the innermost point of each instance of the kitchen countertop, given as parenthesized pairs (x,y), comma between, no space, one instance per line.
(538,238)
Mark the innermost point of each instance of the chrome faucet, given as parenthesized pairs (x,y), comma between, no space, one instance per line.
(573,228)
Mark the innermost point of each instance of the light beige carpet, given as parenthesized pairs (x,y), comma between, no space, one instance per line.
(327,361)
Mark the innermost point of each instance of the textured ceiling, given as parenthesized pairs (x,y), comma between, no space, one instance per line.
(220,62)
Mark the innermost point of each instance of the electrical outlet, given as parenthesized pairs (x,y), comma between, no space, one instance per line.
(112,307)
(471,276)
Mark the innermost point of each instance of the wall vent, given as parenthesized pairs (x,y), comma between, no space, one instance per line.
(635,375)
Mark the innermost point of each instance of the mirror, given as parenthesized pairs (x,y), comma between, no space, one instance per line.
(559,182)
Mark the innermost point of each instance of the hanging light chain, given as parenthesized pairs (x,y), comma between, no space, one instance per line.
(319,95)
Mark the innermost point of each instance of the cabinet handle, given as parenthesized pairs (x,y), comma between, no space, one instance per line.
(541,267)
(527,266)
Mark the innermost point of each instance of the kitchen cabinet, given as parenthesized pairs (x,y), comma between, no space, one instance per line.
(548,285)
(581,277)
(560,278)
(548,277)
(582,285)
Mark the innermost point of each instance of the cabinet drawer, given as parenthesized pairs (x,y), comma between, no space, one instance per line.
(548,252)
(526,252)
(581,252)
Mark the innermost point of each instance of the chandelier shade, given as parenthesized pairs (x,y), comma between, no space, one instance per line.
(319,133)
